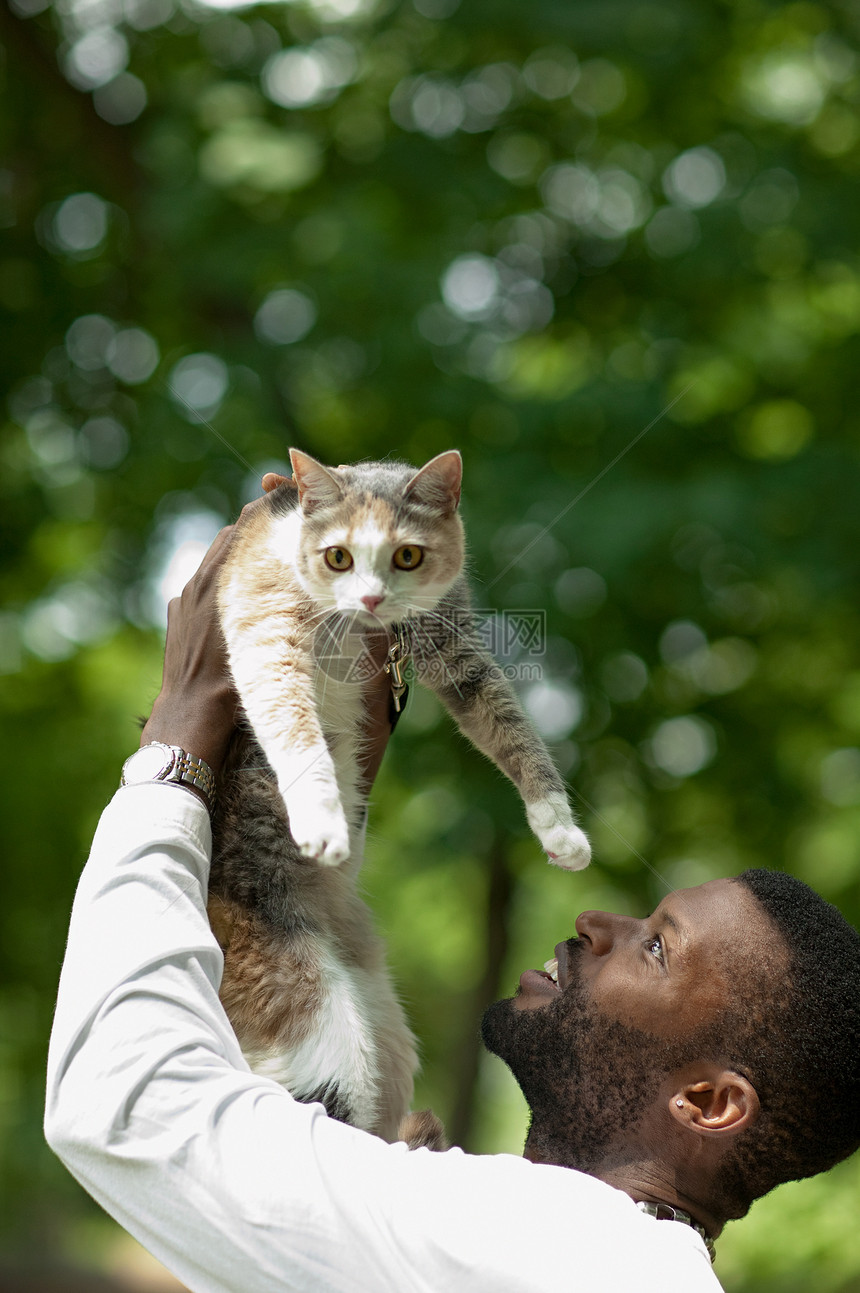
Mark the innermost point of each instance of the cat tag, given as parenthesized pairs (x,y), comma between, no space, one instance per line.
(396,706)
(399,687)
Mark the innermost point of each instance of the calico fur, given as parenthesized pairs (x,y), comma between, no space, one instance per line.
(305,982)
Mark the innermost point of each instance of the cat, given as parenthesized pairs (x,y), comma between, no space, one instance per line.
(327,558)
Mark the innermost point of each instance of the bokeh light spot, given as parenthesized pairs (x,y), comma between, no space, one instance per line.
(89,340)
(776,429)
(430,105)
(198,384)
(695,178)
(551,73)
(133,356)
(580,592)
(624,677)
(683,746)
(80,224)
(253,153)
(840,777)
(555,707)
(285,316)
(122,100)
(784,86)
(302,78)
(96,58)
(103,442)
(470,286)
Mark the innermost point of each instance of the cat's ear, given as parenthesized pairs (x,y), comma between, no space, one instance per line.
(438,482)
(315,483)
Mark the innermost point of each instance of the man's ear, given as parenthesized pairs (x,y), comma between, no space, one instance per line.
(715,1102)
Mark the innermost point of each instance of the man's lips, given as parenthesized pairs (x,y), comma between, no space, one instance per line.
(537,983)
(562,957)
(551,980)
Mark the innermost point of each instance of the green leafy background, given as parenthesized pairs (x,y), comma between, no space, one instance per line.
(608,250)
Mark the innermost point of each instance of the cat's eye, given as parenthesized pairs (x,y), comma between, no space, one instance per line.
(338,558)
(408,557)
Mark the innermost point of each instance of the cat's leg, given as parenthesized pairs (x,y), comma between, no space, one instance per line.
(397,1057)
(488,711)
(341,710)
(359,1057)
(277,692)
(328,1050)
(550,817)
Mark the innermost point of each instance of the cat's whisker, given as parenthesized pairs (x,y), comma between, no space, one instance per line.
(317,617)
(336,636)
(337,619)
(329,612)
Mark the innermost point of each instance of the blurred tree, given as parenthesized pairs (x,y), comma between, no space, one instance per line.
(610,251)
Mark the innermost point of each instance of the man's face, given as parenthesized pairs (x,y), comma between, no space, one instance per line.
(632,998)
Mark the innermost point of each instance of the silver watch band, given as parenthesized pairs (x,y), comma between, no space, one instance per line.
(173,765)
(192,771)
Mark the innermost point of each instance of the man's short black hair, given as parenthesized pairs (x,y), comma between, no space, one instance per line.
(799,1045)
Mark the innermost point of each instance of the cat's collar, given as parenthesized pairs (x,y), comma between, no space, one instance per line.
(397,657)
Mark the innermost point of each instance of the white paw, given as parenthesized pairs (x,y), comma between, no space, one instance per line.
(552,822)
(568,849)
(320,832)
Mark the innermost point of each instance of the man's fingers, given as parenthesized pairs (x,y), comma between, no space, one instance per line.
(210,566)
(270,481)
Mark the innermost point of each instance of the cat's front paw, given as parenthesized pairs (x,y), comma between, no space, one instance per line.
(568,849)
(552,822)
(320,832)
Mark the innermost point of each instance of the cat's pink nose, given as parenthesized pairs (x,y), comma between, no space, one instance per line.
(372,601)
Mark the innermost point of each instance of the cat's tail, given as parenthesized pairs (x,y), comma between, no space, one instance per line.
(422,1130)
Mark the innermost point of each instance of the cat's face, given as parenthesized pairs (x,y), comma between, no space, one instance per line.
(380,542)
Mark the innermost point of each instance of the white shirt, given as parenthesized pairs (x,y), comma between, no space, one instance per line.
(237,1187)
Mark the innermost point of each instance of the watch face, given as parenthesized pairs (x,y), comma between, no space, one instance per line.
(151,763)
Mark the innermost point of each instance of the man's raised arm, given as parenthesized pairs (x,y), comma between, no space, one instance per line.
(150,1103)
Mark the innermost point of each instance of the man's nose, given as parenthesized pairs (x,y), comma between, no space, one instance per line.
(601,929)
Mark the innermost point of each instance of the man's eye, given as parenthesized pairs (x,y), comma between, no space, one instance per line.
(655,947)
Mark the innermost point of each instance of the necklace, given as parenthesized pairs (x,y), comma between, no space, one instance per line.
(665,1212)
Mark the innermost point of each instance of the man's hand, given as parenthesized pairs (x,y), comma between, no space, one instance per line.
(197,707)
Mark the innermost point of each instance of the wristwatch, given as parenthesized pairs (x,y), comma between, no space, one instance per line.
(160,762)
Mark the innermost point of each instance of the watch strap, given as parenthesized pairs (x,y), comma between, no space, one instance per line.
(192,771)
(180,768)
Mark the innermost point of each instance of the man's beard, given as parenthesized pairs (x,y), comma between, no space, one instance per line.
(587,1079)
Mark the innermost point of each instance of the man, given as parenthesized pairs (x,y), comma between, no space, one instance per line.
(676,1068)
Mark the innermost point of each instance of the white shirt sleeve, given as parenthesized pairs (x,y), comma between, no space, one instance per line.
(235,1186)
